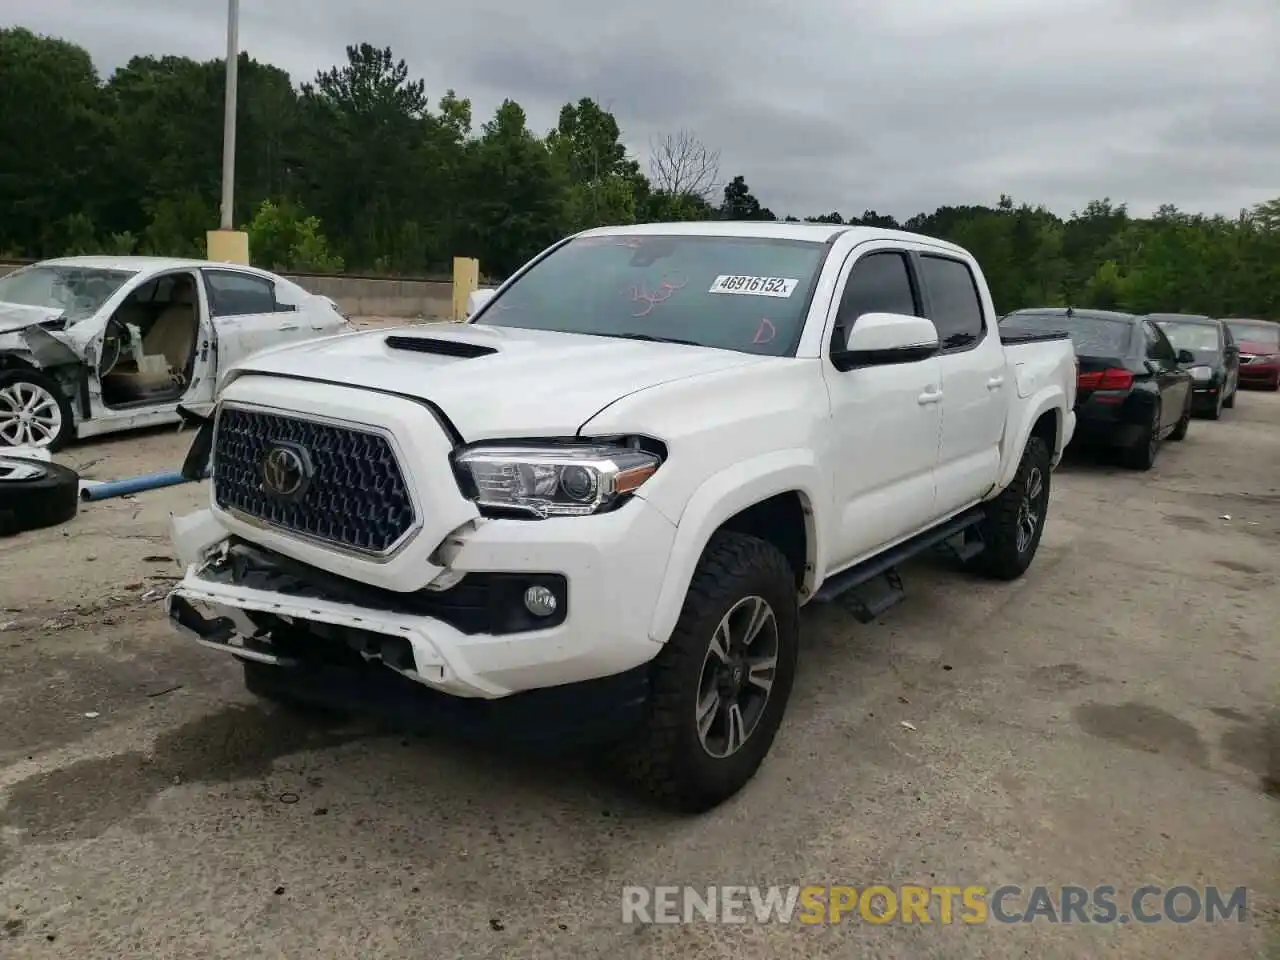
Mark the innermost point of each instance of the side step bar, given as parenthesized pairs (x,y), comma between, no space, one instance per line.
(870,603)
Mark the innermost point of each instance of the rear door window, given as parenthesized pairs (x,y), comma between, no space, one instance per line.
(1158,347)
(954,305)
(238,294)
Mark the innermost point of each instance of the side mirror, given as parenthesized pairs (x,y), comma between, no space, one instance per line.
(884,338)
(1186,356)
(478,299)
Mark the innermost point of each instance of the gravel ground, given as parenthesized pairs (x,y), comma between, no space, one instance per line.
(1103,720)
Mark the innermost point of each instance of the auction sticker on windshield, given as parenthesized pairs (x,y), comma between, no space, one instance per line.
(754,286)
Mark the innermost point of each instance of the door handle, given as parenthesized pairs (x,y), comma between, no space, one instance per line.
(932,395)
(290,326)
(995,383)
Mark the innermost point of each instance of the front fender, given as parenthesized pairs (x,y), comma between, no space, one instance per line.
(1022,420)
(729,492)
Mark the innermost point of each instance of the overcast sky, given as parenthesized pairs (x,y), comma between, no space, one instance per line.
(895,105)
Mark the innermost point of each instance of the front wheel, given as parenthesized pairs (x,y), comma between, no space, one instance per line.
(34,411)
(1015,519)
(1216,412)
(721,683)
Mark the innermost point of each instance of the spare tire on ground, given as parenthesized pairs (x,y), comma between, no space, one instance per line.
(35,494)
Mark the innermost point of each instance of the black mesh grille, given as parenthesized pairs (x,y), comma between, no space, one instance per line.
(356,496)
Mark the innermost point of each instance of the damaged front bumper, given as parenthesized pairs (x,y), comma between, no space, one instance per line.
(471,634)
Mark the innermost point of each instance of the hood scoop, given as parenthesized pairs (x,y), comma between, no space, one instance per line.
(440,348)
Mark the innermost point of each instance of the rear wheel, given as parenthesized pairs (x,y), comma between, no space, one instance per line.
(1015,519)
(1180,431)
(721,682)
(1142,455)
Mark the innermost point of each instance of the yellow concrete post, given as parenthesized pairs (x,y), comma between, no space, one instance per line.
(466,278)
(228,246)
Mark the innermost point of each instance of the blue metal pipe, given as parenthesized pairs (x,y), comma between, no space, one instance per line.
(121,488)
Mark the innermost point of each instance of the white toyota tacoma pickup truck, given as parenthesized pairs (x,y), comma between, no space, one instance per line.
(593,511)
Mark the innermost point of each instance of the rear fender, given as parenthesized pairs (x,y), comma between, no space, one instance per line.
(727,493)
(1023,417)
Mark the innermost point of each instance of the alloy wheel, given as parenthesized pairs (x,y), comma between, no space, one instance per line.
(1030,510)
(29,415)
(737,677)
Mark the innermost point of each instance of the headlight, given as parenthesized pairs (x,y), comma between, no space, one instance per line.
(1201,373)
(572,480)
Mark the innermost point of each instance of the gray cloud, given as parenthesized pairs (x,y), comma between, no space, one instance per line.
(897,105)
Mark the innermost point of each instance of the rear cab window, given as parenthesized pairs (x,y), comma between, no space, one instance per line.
(749,294)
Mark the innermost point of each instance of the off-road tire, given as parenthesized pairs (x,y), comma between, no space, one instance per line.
(66,431)
(1180,431)
(1142,455)
(33,503)
(665,758)
(1001,558)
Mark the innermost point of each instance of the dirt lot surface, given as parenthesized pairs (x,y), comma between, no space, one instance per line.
(1103,720)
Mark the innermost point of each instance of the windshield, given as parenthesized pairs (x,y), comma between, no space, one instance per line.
(1258,332)
(737,293)
(1091,336)
(1199,338)
(79,292)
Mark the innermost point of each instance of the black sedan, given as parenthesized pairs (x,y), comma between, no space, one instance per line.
(1215,371)
(1132,392)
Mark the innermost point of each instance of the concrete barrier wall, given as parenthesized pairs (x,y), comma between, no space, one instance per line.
(367,297)
(428,299)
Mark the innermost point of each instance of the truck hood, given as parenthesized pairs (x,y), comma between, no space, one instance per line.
(496,382)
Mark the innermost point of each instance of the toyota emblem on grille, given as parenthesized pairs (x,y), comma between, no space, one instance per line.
(286,471)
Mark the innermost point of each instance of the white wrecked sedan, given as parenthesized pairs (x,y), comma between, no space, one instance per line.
(94,345)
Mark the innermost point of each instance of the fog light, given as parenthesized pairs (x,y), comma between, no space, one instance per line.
(540,601)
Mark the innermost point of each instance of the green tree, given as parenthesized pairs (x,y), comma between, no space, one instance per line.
(740,204)
(283,237)
(54,129)
(513,192)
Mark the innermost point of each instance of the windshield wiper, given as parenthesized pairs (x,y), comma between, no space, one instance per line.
(650,337)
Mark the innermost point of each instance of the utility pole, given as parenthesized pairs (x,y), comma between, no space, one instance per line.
(229,114)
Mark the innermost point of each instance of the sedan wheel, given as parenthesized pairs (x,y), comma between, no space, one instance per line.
(32,411)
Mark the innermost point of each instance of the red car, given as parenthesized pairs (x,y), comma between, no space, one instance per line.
(1259,342)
